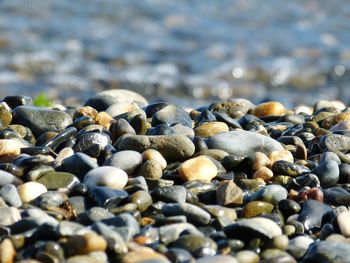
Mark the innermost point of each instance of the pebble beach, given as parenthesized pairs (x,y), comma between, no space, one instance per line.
(119,179)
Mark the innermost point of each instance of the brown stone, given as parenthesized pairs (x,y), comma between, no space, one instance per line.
(198,168)
(84,244)
(141,254)
(264,173)
(228,193)
(256,208)
(259,160)
(7,251)
(208,129)
(104,119)
(271,108)
(85,111)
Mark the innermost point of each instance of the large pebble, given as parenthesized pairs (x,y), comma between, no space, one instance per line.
(8,178)
(208,129)
(194,214)
(343,220)
(243,143)
(10,147)
(337,196)
(172,147)
(7,251)
(311,214)
(40,120)
(253,227)
(328,173)
(30,190)
(106,176)
(58,180)
(198,168)
(271,108)
(79,164)
(326,251)
(127,160)
(171,114)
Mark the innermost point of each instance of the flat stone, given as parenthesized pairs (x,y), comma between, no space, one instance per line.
(40,120)
(311,214)
(170,194)
(198,168)
(253,227)
(105,99)
(243,143)
(30,191)
(58,180)
(337,196)
(326,251)
(127,160)
(106,176)
(208,129)
(172,147)
(194,214)
(271,193)
(171,114)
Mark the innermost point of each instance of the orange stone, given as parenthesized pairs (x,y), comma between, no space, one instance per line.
(198,168)
(271,108)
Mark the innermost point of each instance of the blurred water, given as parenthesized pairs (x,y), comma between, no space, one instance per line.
(176,50)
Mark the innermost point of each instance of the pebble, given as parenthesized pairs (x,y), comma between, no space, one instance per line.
(7,251)
(326,251)
(127,160)
(30,191)
(243,143)
(106,176)
(172,147)
(227,182)
(198,168)
(40,120)
(208,129)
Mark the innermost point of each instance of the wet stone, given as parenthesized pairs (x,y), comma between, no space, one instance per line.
(79,164)
(40,120)
(311,214)
(256,208)
(326,251)
(198,246)
(337,196)
(172,147)
(271,193)
(288,168)
(194,214)
(328,173)
(171,194)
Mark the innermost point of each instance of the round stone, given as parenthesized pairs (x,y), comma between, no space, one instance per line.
(247,256)
(271,193)
(271,108)
(127,160)
(142,199)
(63,154)
(7,251)
(104,119)
(171,114)
(30,191)
(152,154)
(10,147)
(343,220)
(208,129)
(151,169)
(256,208)
(328,173)
(106,176)
(121,107)
(243,143)
(198,168)
(264,173)
(281,155)
(259,160)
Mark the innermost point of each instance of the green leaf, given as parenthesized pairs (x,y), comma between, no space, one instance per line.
(42,100)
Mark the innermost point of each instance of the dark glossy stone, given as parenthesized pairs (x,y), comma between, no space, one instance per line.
(15,101)
(41,120)
(107,197)
(79,164)
(194,214)
(65,135)
(288,168)
(87,141)
(326,251)
(198,246)
(311,214)
(328,173)
(171,194)
(125,224)
(337,196)
(288,207)
(179,255)
(11,168)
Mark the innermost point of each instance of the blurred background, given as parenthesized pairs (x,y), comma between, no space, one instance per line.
(189,52)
